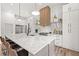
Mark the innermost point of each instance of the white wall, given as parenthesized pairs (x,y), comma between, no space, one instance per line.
(8,16)
(57,10)
(32,21)
(0,19)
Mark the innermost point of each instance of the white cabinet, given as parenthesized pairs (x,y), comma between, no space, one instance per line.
(71,27)
(46,51)
(0,19)
(58,40)
(66,8)
(75,30)
(66,30)
(71,7)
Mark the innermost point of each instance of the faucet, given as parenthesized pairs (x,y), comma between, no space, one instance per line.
(28,29)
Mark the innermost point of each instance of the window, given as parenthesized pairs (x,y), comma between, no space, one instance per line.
(19,29)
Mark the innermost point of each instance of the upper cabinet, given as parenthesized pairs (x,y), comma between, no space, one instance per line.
(45,16)
(0,19)
(71,7)
(71,26)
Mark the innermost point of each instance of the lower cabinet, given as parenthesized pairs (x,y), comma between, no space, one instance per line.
(58,40)
(46,51)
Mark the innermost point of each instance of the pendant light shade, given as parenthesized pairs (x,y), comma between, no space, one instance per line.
(35,12)
(19,18)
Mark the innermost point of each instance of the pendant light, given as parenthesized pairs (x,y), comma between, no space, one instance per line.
(19,18)
(35,12)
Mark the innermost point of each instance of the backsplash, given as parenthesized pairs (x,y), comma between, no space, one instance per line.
(57,27)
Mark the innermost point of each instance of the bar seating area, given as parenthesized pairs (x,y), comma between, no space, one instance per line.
(9,48)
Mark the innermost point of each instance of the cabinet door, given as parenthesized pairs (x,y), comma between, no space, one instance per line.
(51,48)
(66,34)
(75,30)
(45,16)
(58,41)
(43,52)
(42,17)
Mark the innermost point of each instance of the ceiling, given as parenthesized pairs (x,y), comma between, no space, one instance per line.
(27,8)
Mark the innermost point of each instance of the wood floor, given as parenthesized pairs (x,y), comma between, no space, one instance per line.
(65,52)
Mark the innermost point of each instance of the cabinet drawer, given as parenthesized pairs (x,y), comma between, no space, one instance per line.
(57,42)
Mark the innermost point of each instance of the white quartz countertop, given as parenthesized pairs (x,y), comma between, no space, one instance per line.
(33,44)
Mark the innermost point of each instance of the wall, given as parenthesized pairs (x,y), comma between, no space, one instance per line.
(8,17)
(8,12)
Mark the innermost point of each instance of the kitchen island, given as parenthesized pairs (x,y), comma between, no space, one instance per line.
(35,45)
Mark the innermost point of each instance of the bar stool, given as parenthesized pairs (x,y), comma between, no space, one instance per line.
(13,45)
(15,48)
(10,51)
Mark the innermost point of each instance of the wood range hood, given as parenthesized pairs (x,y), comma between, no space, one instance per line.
(45,16)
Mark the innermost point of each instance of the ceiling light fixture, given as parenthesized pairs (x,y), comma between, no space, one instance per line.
(19,18)
(35,12)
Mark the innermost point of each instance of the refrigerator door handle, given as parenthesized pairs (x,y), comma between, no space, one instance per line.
(68,28)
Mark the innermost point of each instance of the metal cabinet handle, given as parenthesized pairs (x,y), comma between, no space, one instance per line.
(69,9)
(68,28)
